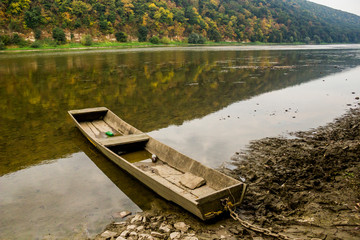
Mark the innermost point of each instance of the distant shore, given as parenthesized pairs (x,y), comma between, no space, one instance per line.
(142,45)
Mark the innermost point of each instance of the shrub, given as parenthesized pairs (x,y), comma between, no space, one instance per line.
(154,40)
(195,38)
(37,34)
(36,44)
(16,39)
(2,45)
(87,40)
(121,37)
(165,40)
(23,43)
(59,35)
(142,33)
(6,39)
(202,40)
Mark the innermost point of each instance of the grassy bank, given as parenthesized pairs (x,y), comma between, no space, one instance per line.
(52,46)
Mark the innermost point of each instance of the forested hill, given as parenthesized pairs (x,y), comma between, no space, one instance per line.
(217,20)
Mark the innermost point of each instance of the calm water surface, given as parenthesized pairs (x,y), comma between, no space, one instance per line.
(205,102)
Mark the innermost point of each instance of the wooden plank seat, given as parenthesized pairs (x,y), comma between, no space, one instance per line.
(119,140)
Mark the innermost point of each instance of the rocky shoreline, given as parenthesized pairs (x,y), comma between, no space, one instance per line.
(304,187)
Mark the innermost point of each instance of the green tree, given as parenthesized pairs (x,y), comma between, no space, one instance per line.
(142,33)
(214,35)
(58,35)
(33,17)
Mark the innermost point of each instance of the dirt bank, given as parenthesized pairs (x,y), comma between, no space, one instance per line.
(306,187)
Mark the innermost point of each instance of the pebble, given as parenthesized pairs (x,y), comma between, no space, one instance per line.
(136,218)
(158,235)
(133,234)
(175,235)
(140,228)
(120,238)
(120,223)
(131,227)
(145,236)
(108,234)
(181,226)
(190,238)
(124,214)
(165,228)
(125,234)
(154,225)
(234,231)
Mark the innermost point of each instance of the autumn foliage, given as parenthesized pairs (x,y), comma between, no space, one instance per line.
(216,20)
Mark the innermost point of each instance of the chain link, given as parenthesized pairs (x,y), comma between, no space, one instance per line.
(229,207)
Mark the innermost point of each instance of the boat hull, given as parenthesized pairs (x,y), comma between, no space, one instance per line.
(166,176)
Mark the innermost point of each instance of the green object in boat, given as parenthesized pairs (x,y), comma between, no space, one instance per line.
(109,133)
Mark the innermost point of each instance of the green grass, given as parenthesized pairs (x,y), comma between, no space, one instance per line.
(50,45)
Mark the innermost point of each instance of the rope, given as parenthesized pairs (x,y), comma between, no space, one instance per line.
(228,206)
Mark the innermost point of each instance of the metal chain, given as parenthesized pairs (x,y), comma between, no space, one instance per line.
(252,227)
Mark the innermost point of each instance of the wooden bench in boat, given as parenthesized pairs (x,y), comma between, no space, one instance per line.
(95,128)
(119,140)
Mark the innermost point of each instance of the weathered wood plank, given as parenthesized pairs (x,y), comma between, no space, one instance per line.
(93,129)
(203,191)
(88,110)
(87,129)
(118,140)
(102,126)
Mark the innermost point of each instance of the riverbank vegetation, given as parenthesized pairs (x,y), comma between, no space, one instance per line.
(33,24)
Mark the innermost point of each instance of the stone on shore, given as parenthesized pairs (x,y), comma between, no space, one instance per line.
(181,226)
(165,228)
(108,234)
(125,234)
(124,214)
(158,235)
(175,235)
(136,218)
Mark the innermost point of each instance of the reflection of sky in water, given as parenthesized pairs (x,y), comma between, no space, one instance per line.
(214,138)
(67,196)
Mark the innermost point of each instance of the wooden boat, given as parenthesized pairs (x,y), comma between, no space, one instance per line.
(174,176)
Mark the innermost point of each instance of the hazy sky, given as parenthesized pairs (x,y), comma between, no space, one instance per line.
(352,6)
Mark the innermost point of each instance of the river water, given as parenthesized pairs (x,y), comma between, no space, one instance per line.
(206,102)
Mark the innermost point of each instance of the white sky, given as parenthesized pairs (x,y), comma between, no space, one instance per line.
(351,6)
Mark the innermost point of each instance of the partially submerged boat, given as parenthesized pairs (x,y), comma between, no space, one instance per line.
(174,176)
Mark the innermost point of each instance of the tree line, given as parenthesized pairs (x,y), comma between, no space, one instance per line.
(274,21)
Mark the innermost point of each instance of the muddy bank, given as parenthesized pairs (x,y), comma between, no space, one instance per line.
(305,187)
